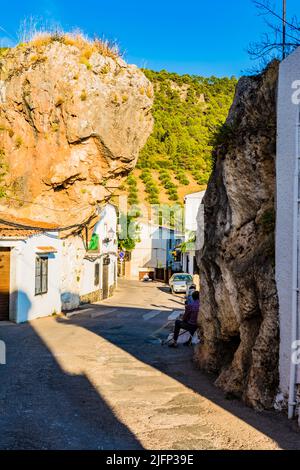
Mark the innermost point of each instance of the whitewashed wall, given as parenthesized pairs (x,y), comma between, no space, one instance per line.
(24,304)
(191,207)
(151,251)
(78,272)
(288,112)
(73,252)
(188,262)
(192,203)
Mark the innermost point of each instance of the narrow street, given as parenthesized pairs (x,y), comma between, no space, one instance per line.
(100,379)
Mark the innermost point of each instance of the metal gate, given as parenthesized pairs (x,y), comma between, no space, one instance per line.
(160,274)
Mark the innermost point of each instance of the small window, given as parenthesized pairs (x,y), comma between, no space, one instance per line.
(41,275)
(97,274)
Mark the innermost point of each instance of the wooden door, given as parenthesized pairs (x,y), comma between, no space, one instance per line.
(4,283)
(160,274)
(105,288)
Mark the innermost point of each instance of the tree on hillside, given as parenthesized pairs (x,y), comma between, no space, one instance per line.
(188,110)
(283,34)
(129,232)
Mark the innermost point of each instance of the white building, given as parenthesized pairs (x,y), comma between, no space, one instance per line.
(153,252)
(287,227)
(89,273)
(30,266)
(42,273)
(192,204)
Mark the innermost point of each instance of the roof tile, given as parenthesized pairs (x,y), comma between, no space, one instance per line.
(24,230)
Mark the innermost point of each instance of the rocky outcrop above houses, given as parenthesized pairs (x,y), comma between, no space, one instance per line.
(239,305)
(72,122)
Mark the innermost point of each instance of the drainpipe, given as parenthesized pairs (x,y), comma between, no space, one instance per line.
(295,295)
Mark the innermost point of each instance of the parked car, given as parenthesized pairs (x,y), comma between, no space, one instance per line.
(179,282)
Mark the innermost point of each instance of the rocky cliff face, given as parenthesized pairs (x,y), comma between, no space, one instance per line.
(72,122)
(239,306)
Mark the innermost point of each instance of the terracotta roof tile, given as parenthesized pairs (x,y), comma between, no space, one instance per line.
(25,230)
(46,249)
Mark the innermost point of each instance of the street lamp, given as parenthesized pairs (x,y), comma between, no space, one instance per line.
(283,28)
(111,234)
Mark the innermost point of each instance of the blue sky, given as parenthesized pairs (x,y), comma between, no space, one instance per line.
(205,37)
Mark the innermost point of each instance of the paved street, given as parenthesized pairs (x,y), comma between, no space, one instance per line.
(100,379)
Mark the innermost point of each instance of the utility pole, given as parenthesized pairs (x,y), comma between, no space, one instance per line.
(283,29)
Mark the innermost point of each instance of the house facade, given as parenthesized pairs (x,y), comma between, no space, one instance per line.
(152,254)
(288,230)
(192,205)
(90,271)
(30,266)
(43,272)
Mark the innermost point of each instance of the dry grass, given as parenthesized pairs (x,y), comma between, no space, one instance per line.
(149,92)
(40,40)
(115,99)
(18,142)
(3,128)
(107,49)
(105,69)
(38,58)
(86,46)
(59,101)
(3,51)
(83,95)
(55,126)
(85,62)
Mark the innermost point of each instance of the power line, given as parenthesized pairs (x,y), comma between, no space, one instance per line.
(46,207)
(50,229)
(53,229)
(41,229)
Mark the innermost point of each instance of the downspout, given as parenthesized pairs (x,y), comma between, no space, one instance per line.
(295,294)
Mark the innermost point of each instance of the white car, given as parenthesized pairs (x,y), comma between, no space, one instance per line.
(179,282)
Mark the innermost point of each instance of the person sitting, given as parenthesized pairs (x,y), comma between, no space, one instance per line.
(189,296)
(147,278)
(189,319)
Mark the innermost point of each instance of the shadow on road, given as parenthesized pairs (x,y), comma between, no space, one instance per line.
(164,289)
(133,337)
(46,408)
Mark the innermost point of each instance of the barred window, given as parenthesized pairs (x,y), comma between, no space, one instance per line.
(97,274)
(41,275)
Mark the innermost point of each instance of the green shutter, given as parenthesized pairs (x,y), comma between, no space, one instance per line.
(94,243)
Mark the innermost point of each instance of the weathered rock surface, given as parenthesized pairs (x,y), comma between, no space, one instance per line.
(239,305)
(71,127)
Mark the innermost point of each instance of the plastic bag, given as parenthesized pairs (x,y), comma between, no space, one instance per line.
(195,339)
(184,337)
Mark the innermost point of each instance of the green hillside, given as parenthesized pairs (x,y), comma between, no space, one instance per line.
(188,111)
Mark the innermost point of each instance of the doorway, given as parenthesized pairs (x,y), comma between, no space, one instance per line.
(4,283)
(105,288)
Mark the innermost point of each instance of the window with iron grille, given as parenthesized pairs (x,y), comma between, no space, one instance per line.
(41,275)
(97,274)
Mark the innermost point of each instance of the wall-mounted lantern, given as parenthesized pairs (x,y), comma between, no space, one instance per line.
(106,260)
